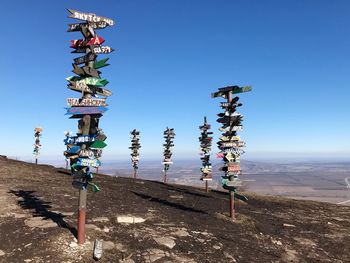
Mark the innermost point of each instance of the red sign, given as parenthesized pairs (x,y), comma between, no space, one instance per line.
(88,42)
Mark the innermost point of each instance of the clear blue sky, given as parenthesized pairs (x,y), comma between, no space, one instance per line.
(170,55)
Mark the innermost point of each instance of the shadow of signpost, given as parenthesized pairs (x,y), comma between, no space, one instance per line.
(41,208)
(168,203)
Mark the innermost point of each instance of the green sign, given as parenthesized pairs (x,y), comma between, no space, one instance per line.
(101,63)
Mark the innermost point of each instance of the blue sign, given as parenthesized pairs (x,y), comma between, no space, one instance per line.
(85,110)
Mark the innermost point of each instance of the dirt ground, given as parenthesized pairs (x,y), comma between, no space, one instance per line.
(148,221)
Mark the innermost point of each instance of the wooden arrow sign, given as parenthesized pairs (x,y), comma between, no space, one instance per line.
(85,110)
(78,43)
(228,144)
(86,70)
(85,59)
(102,50)
(79,26)
(82,87)
(232,128)
(88,162)
(89,81)
(86,102)
(233,89)
(101,63)
(79,139)
(91,17)
(98,145)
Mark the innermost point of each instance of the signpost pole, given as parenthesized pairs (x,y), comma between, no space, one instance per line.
(206,186)
(232,194)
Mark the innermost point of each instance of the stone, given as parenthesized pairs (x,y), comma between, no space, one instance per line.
(129,260)
(288,225)
(181,233)
(100,219)
(165,241)
(2,253)
(216,247)
(130,219)
(108,245)
(73,245)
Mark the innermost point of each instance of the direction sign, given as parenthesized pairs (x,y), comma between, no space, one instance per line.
(102,50)
(85,110)
(91,17)
(231,128)
(234,183)
(228,144)
(88,162)
(79,26)
(82,87)
(233,89)
(76,43)
(86,102)
(100,63)
(85,59)
(86,70)
(79,139)
(89,81)
(98,145)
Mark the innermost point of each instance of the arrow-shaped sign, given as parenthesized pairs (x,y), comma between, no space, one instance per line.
(101,63)
(85,110)
(233,89)
(91,17)
(86,70)
(85,59)
(86,42)
(88,162)
(90,81)
(79,26)
(86,102)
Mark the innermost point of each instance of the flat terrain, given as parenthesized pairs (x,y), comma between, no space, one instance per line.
(148,221)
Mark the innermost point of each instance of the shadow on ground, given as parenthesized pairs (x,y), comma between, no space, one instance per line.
(41,208)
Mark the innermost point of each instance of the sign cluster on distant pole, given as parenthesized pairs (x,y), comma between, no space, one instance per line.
(37,145)
(169,135)
(206,142)
(230,143)
(85,149)
(135,146)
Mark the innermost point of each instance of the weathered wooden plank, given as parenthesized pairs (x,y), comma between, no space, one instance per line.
(91,17)
(77,43)
(79,26)
(85,59)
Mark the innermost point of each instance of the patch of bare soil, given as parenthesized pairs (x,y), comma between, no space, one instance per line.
(148,221)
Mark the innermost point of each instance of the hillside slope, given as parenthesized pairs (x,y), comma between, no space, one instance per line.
(38,211)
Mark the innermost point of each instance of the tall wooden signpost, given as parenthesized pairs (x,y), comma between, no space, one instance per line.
(135,146)
(84,149)
(169,136)
(37,144)
(206,141)
(230,144)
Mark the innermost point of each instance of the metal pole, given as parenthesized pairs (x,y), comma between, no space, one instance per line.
(135,173)
(165,177)
(206,186)
(232,194)
(82,216)
(36,160)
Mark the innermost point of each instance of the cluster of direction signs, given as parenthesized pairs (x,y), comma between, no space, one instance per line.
(37,144)
(84,150)
(135,146)
(169,136)
(230,143)
(205,143)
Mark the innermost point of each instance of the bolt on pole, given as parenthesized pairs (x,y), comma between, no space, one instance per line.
(230,144)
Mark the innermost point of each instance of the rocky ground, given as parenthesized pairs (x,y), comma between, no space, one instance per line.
(148,221)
